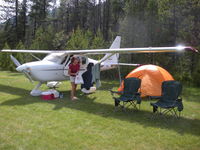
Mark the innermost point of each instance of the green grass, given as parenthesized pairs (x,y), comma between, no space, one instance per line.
(29,123)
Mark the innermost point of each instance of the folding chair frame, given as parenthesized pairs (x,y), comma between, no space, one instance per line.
(126,104)
(172,110)
(166,110)
(130,96)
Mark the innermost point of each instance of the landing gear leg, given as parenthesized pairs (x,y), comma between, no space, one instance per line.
(36,91)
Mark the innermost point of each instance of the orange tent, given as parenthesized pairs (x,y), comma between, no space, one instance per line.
(152,77)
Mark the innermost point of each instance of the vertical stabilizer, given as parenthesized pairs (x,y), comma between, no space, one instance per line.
(110,58)
(116,42)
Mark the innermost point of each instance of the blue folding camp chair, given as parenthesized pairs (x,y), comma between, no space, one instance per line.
(130,96)
(169,101)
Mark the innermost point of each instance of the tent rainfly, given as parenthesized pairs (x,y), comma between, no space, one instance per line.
(152,77)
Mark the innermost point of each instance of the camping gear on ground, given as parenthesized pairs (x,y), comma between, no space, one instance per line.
(36,92)
(50,94)
(130,96)
(91,90)
(61,95)
(47,95)
(169,101)
(151,79)
(55,93)
(53,84)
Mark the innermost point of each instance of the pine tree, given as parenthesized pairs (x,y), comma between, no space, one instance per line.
(5,61)
(43,39)
(59,40)
(78,40)
(20,56)
(98,43)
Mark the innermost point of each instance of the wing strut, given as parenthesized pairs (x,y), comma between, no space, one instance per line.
(119,73)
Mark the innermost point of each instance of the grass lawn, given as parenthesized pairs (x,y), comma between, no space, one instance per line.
(29,123)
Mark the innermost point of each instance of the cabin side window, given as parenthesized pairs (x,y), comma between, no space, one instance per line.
(65,60)
(83,60)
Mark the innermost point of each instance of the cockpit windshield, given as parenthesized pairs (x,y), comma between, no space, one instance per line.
(55,57)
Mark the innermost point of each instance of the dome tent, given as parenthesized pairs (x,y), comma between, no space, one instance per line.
(152,77)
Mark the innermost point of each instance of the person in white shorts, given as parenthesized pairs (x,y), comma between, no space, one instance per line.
(74,67)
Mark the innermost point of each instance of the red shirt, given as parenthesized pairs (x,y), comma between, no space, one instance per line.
(74,68)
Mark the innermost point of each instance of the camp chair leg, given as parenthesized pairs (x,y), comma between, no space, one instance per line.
(117,102)
(156,113)
(119,105)
(179,114)
(132,103)
(160,111)
(175,112)
(125,104)
(166,111)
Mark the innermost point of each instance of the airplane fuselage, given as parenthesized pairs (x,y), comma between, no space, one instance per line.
(44,71)
(54,68)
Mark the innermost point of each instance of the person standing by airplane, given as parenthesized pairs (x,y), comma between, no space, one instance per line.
(74,67)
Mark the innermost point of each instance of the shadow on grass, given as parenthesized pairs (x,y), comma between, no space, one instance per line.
(142,117)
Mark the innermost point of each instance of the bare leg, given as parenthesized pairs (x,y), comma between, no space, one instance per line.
(73,90)
(75,85)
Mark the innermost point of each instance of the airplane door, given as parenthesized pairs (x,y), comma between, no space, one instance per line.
(66,65)
(83,64)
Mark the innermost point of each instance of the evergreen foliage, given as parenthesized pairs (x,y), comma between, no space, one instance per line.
(86,24)
(5,62)
(43,39)
(78,40)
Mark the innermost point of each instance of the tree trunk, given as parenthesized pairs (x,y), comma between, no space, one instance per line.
(16,18)
(24,18)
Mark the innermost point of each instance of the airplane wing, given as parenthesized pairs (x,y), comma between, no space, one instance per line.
(125,64)
(103,51)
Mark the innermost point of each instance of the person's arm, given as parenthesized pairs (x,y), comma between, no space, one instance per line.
(70,73)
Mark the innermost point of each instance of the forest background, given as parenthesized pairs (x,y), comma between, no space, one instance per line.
(87,24)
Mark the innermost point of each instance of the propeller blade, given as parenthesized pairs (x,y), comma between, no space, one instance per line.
(15,61)
(27,76)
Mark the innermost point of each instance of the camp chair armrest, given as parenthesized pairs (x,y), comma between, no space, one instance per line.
(138,98)
(138,93)
(155,97)
(116,92)
(179,99)
(179,104)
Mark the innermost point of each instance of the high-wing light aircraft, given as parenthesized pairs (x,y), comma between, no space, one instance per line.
(54,67)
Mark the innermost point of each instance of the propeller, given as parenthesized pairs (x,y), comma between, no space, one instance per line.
(27,75)
(24,71)
(15,61)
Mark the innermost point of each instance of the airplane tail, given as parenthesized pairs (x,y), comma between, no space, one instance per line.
(110,58)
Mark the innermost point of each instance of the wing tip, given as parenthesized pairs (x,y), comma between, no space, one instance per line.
(189,48)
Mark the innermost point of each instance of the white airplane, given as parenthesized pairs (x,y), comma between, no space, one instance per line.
(54,67)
